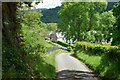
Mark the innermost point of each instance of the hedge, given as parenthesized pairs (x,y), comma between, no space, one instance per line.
(64,44)
(111,51)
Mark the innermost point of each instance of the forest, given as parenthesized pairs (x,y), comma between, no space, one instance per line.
(91,31)
(51,15)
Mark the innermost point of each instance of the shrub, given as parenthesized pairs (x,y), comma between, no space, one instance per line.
(98,49)
(69,48)
(63,43)
(103,59)
(41,46)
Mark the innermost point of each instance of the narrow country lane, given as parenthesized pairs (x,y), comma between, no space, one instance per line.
(69,68)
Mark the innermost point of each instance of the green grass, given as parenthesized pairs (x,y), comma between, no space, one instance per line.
(106,44)
(91,60)
(104,66)
(40,64)
(49,58)
(48,44)
(43,66)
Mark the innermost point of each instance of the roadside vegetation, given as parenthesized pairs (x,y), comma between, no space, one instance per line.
(25,46)
(95,35)
(90,23)
(91,29)
(102,59)
(50,58)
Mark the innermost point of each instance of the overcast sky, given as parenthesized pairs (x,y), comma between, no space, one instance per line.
(49,4)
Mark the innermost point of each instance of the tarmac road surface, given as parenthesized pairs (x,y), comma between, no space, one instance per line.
(70,68)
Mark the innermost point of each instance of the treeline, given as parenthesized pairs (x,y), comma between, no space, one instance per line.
(85,22)
(51,15)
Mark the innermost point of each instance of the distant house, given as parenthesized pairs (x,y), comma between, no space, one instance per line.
(60,37)
(56,35)
(53,36)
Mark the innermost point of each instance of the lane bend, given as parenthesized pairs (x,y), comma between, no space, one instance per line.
(70,68)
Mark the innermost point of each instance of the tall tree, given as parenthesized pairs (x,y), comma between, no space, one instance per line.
(116,32)
(79,18)
(107,21)
(13,55)
(11,42)
(31,18)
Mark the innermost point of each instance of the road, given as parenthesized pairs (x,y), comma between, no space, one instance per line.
(69,68)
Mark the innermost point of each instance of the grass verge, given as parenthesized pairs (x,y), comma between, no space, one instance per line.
(104,66)
(49,58)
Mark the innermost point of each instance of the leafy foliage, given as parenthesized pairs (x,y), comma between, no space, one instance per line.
(64,44)
(106,67)
(116,32)
(50,15)
(34,43)
(106,24)
(77,22)
(22,44)
(111,51)
(103,59)
(13,54)
(31,18)
(36,46)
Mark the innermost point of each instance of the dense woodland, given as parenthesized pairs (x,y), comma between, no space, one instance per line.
(51,15)
(25,31)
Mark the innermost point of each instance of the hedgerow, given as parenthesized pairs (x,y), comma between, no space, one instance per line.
(102,59)
(64,44)
(111,51)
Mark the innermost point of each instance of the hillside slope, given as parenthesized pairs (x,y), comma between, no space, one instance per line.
(51,15)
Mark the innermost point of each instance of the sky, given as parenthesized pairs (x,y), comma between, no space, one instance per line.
(49,4)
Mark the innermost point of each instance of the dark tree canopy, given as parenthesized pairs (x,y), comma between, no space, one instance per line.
(50,15)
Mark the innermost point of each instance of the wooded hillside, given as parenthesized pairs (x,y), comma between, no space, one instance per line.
(51,15)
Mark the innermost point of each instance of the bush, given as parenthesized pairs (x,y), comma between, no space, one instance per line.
(103,59)
(41,47)
(98,49)
(69,48)
(63,43)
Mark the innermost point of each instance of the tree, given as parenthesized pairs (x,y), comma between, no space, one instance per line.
(31,18)
(116,32)
(13,55)
(98,37)
(79,17)
(50,15)
(51,26)
(107,21)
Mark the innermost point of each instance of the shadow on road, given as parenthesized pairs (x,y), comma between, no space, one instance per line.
(76,75)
